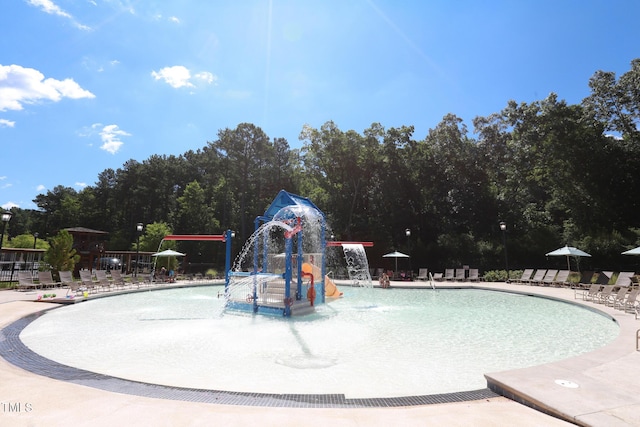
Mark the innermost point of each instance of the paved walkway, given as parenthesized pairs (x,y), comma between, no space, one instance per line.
(607,392)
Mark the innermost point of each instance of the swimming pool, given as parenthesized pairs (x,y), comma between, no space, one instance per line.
(371,343)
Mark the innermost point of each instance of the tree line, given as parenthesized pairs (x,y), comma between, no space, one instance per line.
(555,173)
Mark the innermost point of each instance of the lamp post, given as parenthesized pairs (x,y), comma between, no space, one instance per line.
(139,228)
(407,233)
(35,239)
(6,217)
(503,227)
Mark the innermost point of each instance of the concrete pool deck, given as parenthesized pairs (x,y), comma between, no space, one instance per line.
(599,388)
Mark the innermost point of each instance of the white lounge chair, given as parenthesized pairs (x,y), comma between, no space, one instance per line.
(423,274)
(449,274)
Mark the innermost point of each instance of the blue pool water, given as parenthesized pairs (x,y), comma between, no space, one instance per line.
(370,343)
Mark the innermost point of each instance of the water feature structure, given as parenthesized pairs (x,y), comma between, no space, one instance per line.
(282,268)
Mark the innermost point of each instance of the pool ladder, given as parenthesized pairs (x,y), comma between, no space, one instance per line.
(433,285)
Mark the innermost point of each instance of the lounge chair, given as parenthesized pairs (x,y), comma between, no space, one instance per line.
(460,275)
(118,280)
(66,278)
(618,298)
(438,277)
(561,278)
(25,281)
(526,276)
(629,304)
(586,279)
(103,281)
(473,275)
(537,277)
(604,293)
(86,278)
(448,274)
(549,277)
(604,277)
(624,278)
(588,294)
(46,280)
(423,274)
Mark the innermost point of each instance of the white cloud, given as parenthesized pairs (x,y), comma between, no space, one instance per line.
(51,8)
(7,185)
(10,205)
(19,86)
(81,184)
(4,123)
(207,77)
(176,76)
(111,141)
(174,19)
(179,76)
(41,188)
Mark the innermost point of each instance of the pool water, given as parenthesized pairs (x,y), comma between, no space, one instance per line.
(371,343)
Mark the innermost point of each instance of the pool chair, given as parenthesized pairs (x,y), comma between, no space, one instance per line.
(630,303)
(86,278)
(617,298)
(549,277)
(25,281)
(604,277)
(438,277)
(537,277)
(460,275)
(118,280)
(66,279)
(103,281)
(588,294)
(561,278)
(604,294)
(473,275)
(448,274)
(586,279)
(423,274)
(46,280)
(526,276)
(624,278)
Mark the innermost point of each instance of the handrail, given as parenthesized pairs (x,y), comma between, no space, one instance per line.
(433,285)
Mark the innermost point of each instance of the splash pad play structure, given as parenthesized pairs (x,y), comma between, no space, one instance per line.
(282,267)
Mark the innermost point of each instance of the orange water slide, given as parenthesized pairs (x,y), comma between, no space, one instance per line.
(330,288)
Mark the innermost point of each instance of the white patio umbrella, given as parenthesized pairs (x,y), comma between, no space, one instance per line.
(396,255)
(168,252)
(165,253)
(568,251)
(634,251)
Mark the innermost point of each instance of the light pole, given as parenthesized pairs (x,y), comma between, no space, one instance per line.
(139,228)
(35,239)
(407,233)
(503,227)
(6,217)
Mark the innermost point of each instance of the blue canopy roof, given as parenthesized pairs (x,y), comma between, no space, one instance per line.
(284,199)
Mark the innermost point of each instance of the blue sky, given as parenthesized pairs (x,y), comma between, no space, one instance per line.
(86,85)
